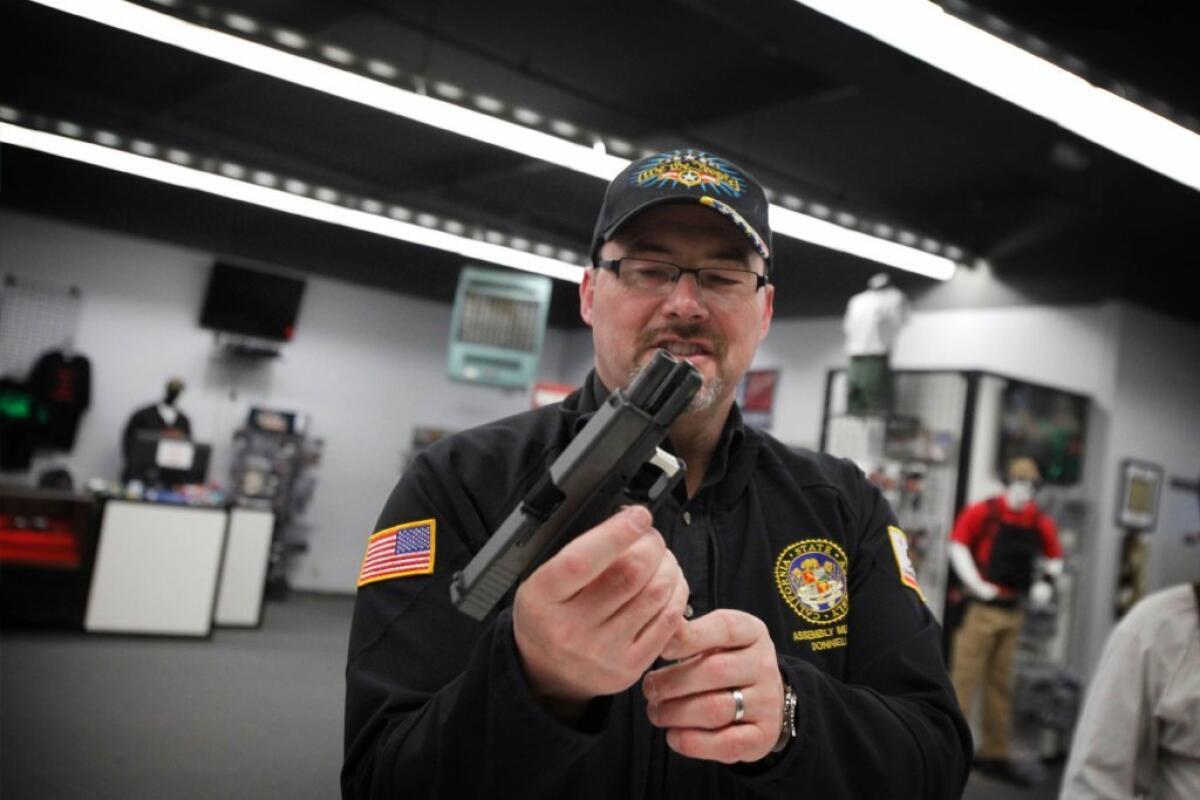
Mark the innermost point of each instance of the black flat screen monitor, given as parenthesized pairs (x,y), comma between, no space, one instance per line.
(252,303)
(154,466)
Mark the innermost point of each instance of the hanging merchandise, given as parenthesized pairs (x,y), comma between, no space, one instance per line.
(61,383)
(272,470)
(20,418)
(1047,697)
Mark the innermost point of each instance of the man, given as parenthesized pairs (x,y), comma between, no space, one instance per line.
(994,550)
(761,636)
(1139,733)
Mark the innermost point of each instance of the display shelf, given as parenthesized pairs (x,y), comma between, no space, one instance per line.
(912,454)
(47,548)
(157,569)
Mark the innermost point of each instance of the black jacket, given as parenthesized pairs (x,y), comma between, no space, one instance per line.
(437,704)
(63,385)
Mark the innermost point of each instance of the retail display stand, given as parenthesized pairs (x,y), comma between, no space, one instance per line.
(244,568)
(157,568)
(47,545)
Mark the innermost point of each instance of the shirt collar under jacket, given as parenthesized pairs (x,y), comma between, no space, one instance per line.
(732,462)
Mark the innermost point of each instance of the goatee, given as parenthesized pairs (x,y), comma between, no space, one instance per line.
(705,397)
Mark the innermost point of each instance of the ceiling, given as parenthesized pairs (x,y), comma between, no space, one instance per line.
(806,104)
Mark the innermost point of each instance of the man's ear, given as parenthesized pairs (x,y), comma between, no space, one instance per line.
(587,291)
(768,310)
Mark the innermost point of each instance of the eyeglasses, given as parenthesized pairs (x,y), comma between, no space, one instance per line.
(652,277)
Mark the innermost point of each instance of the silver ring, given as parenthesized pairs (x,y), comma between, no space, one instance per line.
(739,705)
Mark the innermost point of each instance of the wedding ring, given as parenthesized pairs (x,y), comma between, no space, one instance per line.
(739,705)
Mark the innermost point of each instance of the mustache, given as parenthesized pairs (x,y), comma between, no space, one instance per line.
(686,331)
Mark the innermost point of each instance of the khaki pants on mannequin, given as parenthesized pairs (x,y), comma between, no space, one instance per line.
(984,650)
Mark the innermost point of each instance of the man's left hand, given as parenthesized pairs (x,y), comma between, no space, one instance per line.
(693,698)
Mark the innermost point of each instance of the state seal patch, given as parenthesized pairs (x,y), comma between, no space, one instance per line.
(811,576)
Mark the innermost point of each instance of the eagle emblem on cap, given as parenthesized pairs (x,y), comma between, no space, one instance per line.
(690,169)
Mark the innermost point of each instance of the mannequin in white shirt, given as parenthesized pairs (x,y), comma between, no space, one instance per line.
(873,320)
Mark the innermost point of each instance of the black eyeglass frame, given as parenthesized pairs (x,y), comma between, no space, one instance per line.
(614,264)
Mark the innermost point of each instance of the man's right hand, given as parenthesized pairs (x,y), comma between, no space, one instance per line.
(591,620)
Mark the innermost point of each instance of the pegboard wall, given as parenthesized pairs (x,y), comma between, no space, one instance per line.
(35,316)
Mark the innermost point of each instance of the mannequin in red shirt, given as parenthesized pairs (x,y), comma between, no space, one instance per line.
(995,550)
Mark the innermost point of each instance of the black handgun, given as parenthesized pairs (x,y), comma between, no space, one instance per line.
(615,460)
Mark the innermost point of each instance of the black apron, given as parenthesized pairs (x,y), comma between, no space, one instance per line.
(1013,552)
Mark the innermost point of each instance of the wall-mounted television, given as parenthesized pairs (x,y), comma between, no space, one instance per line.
(252,302)
(1047,425)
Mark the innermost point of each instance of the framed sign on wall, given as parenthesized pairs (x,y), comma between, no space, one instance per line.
(1141,485)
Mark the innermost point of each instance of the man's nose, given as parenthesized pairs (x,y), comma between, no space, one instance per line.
(686,298)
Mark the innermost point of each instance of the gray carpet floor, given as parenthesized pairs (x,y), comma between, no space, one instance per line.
(246,714)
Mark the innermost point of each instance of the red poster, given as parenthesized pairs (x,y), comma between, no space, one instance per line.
(756,396)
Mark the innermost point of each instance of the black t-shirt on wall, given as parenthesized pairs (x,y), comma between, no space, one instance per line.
(62,385)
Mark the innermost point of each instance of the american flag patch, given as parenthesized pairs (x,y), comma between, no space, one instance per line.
(908,573)
(397,551)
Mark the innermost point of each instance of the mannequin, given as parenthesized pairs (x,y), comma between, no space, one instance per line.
(994,550)
(163,418)
(873,320)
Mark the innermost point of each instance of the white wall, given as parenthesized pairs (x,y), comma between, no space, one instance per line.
(1156,418)
(367,365)
(1068,347)
(803,350)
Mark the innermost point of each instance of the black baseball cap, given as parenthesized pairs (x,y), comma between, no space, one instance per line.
(682,176)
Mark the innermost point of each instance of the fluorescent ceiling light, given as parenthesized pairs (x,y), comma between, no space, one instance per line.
(280,200)
(836,237)
(455,118)
(342,83)
(925,31)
